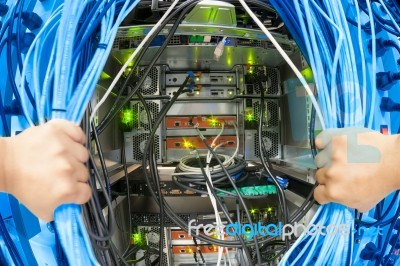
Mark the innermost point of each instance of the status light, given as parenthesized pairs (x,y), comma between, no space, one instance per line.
(249,117)
(214,122)
(187,144)
(127,116)
(137,239)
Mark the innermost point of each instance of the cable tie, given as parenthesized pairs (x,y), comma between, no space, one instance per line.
(102,46)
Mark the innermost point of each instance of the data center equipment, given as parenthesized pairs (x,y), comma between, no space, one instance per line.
(201,118)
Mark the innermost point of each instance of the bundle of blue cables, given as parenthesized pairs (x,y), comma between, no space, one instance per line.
(58,77)
(345,77)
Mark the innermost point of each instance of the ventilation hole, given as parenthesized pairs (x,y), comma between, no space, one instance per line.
(273,81)
(150,84)
(271,117)
(141,116)
(139,143)
(271,141)
(251,43)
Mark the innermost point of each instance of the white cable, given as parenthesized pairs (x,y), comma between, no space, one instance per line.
(209,188)
(288,60)
(237,143)
(130,59)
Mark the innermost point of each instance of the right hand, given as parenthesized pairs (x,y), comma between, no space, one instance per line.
(358,167)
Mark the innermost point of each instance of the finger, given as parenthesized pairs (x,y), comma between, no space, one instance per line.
(79,152)
(320,176)
(323,159)
(71,130)
(46,217)
(84,193)
(81,172)
(323,139)
(320,194)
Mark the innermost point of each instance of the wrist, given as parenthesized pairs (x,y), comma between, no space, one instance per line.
(3,164)
(396,166)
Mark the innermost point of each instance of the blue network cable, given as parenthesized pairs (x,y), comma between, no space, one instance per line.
(348,97)
(65,72)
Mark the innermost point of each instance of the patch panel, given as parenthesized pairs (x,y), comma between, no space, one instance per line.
(201,121)
(191,249)
(229,142)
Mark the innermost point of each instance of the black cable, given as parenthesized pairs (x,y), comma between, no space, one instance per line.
(176,217)
(123,156)
(112,225)
(116,108)
(93,212)
(102,162)
(281,194)
(173,216)
(157,182)
(224,210)
(238,193)
(312,132)
(189,3)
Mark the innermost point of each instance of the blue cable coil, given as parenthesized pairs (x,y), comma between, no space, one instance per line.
(345,76)
(58,79)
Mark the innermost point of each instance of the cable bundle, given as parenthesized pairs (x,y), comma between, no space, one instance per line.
(345,76)
(62,68)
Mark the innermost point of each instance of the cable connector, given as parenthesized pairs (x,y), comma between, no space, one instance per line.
(26,40)
(13,109)
(383,79)
(191,84)
(388,105)
(219,50)
(3,9)
(397,225)
(382,46)
(389,260)
(368,253)
(394,241)
(31,20)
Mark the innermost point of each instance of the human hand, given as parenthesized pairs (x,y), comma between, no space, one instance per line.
(358,167)
(43,167)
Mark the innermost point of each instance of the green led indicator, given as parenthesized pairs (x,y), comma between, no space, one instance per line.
(127,116)
(137,239)
(308,74)
(249,117)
